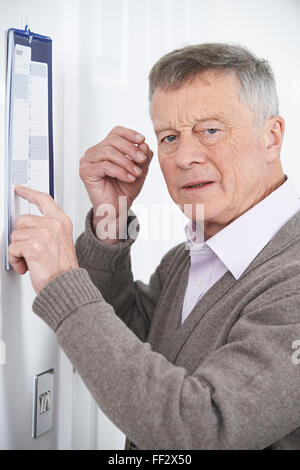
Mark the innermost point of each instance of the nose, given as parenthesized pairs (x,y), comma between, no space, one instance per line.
(189,152)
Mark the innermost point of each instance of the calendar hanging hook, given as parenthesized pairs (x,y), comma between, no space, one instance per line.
(28,32)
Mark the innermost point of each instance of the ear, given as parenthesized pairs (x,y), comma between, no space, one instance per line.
(273,137)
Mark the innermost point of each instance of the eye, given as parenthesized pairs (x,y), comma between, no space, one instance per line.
(211,136)
(169,138)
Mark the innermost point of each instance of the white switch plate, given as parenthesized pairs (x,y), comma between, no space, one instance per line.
(42,415)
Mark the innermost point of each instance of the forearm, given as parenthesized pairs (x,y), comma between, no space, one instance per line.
(109,267)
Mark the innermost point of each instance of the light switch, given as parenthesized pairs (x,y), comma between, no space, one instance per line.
(42,403)
(45,402)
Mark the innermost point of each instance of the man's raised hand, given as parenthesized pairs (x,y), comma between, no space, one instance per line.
(117,166)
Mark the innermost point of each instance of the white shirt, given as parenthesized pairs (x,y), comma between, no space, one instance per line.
(235,246)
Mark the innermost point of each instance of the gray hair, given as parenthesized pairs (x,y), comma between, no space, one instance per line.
(256,78)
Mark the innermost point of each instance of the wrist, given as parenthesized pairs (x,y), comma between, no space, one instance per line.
(110,231)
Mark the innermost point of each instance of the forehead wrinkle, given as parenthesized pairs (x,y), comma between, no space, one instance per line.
(183,104)
(190,104)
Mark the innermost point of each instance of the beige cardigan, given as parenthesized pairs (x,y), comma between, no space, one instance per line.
(227,378)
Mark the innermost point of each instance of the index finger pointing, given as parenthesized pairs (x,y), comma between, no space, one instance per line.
(43,201)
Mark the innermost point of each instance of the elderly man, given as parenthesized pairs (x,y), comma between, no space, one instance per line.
(207,355)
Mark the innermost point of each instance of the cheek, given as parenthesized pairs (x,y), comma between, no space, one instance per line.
(233,158)
(239,166)
(167,168)
(242,147)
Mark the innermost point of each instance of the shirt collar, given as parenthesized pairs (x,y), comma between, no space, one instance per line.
(237,244)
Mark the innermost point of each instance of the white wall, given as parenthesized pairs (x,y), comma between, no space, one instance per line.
(100,80)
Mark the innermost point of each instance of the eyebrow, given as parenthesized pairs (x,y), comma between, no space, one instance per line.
(208,118)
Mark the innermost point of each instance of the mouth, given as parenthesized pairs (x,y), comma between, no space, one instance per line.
(198,185)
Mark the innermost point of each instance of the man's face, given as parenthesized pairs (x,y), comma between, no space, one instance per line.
(205,133)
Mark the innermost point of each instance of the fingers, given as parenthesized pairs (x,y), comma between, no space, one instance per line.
(46,205)
(24,233)
(27,227)
(114,156)
(128,134)
(119,166)
(28,221)
(145,148)
(118,149)
(16,258)
(43,201)
(149,155)
(123,140)
(108,168)
(123,155)
(104,150)
(127,148)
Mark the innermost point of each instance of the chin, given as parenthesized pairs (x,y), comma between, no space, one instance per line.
(193,210)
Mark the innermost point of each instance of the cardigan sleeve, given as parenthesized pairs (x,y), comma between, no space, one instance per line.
(109,268)
(245,395)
